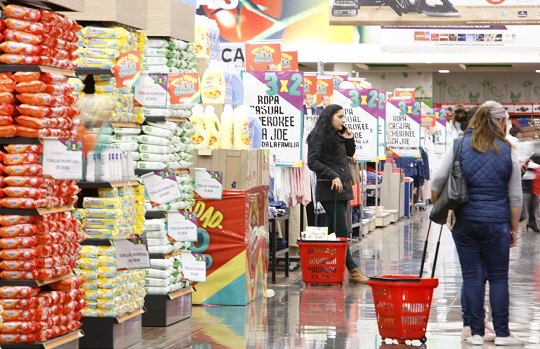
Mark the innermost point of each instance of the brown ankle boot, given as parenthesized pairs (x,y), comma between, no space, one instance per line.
(357,276)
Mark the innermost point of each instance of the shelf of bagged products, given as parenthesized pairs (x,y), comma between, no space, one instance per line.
(97,185)
(139,172)
(155,214)
(62,341)
(13,68)
(35,211)
(34,283)
(164,255)
(93,71)
(165,310)
(19,140)
(164,118)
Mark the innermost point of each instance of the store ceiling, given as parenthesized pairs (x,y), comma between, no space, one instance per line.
(429,67)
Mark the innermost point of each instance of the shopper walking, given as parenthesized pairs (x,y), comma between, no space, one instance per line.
(329,144)
(487,226)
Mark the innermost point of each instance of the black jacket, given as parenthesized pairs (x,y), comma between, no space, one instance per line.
(329,163)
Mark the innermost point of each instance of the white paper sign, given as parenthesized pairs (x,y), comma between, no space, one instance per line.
(161,187)
(62,159)
(131,254)
(151,92)
(439,137)
(208,184)
(182,226)
(193,266)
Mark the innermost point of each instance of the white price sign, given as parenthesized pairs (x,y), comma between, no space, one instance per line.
(131,253)
(193,266)
(62,159)
(208,184)
(151,92)
(161,187)
(182,226)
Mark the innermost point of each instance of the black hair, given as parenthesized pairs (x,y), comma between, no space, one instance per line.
(460,114)
(467,118)
(514,131)
(324,127)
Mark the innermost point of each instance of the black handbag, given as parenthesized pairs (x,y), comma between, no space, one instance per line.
(454,194)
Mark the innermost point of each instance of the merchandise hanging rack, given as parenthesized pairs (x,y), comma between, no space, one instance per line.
(34,283)
(35,211)
(59,342)
(13,68)
(55,5)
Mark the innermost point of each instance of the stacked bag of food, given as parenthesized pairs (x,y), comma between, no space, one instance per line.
(165,275)
(168,56)
(33,315)
(99,47)
(78,87)
(114,213)
(22,184)
(38,37)
(39,248)
(109,292)
(46,108)
(123,99)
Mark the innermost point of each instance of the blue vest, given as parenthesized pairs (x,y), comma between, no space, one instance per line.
(487,177)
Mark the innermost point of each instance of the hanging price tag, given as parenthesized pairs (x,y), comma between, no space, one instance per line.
(131,253)
(127,69)
(182,226)
(209,184)
(161,187)
(193,266)
(62,159)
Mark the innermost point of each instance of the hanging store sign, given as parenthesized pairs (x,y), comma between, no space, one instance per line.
(161,187)
(127,69)
(63,159)
(403,121)
(263,55)
(184,88)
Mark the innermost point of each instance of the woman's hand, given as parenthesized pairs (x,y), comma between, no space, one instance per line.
(337,185)
(513,238)
(347,134)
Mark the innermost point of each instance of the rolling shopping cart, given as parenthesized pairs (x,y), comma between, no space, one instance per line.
(403,302)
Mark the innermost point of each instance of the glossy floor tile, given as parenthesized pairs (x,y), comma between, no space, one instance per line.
(344,317)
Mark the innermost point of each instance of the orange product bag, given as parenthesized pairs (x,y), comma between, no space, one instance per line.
(36,99)
(26,192)
(7,84)
(7,109)
(18,338)
(18,159)
(24,181)
(22,304)
(24,170)
(18,230)
(26,76)
(26,26)
(18,292)
(16,242)
(21,48)
(18,253)
(19,275)
(31,86)
(7,98)
(12,58)
(59,89)
(28,132)
(68,284)
(21,327)
(18,265)
(51,238)
(33,110)
(52,78)
(2,168)
(20,36)
(6,120)
(8,220)
(36,123)
(2,183)
(24,148)
(8,131)
(22,203)
(21,12)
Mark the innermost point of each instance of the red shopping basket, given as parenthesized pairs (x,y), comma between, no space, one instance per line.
(323,262)
(402,305)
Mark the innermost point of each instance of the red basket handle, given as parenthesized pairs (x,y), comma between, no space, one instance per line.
(394,280)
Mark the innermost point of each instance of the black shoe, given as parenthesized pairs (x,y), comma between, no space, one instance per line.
(535,229)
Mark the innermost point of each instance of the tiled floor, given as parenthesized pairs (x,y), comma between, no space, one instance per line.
(333,317)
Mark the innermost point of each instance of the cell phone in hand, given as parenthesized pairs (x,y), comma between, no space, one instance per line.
(343,130)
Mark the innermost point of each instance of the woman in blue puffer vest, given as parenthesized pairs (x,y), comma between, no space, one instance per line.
(486,227)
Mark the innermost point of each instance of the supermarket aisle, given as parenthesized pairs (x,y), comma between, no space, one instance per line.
(333,317)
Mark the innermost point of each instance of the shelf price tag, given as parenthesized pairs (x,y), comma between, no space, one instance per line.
(151,92)
(131,254)
(209,184)
(182,226)
(193,266)
(161,187)
(62,159)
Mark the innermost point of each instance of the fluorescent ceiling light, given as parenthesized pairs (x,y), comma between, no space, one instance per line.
(538,70)
(444,71)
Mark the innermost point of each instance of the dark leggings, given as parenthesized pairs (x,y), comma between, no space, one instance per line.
(342,230)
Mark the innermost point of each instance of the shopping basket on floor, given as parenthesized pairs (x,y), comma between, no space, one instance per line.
(323,262)
(403,302)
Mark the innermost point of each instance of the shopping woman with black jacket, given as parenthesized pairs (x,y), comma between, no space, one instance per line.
(329,145)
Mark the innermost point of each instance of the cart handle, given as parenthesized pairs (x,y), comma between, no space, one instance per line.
(394,280)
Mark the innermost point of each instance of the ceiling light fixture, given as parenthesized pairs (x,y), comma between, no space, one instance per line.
(538,70)
(444,71)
